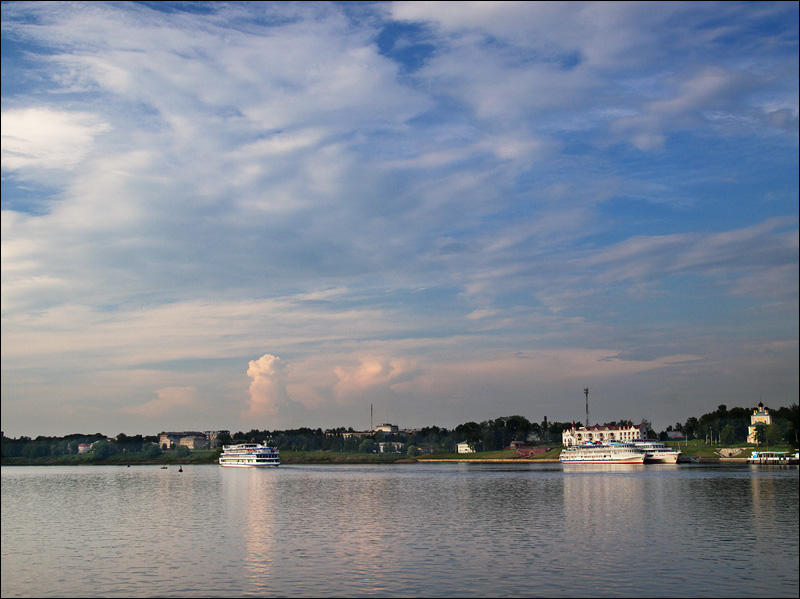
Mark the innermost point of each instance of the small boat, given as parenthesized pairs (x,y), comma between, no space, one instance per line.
(163,467)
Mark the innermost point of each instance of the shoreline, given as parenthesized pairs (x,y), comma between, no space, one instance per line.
(296,461)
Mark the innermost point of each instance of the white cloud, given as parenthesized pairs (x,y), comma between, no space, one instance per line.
(43,138)
(170,400)
(277,174)
(760,248)
(375,376)
(269,400)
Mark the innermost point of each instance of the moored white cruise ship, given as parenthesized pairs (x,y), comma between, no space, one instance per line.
(656,452)
(249,455)
(602,453)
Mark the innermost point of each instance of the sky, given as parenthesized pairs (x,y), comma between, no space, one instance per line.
(271,215)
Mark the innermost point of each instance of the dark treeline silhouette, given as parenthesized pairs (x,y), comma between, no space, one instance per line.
(722,426)
(489,435)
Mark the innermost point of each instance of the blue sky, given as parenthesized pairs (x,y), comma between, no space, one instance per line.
(271,215)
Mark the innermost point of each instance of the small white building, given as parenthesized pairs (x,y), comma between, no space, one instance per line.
(391,447)
(760,415)
(578,435)
(464,447)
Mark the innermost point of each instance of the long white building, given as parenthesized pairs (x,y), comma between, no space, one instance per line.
(578,435)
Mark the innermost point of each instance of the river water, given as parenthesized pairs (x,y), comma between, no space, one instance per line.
(412,530)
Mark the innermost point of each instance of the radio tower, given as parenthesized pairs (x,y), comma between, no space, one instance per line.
(586,393)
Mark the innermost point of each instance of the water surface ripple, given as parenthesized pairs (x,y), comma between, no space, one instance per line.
(416,530)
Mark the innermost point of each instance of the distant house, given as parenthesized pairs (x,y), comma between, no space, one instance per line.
(169,440)
(84,447)
(190,439)
(211,437)
(194,441)
(390,447)
(760,415)
(464,447)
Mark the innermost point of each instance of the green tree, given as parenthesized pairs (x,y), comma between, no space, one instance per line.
(792,416)
(761,433)
(36,449)
(182,451)
(727,435)
(103,450)
(367,446)
(153,451)
(777,432)
(691,427)
(471,432)
(350,444)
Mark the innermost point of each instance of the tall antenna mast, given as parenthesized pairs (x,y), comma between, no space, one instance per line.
(370,418)
(586,393)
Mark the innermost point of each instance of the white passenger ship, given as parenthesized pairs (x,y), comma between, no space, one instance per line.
(249,455)
(602,453)
(656,452)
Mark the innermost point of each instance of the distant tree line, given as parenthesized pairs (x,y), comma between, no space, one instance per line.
(723,426)
(102,447)
(488,435)
(728,427)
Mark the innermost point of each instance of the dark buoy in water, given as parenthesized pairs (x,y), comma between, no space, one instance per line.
(180,468)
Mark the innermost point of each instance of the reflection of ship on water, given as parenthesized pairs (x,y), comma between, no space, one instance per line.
(605,503)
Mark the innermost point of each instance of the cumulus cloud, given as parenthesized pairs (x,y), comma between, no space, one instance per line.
(269,401)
